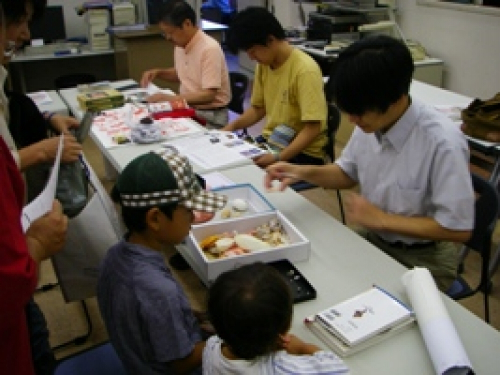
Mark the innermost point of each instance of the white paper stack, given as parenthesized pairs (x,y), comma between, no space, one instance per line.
(440,336)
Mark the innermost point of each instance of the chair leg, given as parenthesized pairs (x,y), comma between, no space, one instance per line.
(461,257)
(486,308)
(80,339)
(341,206)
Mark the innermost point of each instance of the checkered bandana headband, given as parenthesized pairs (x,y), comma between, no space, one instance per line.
(188,193)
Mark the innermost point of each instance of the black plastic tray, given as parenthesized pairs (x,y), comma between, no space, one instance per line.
(301,288)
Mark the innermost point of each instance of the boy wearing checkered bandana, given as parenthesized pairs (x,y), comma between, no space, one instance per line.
(147,314)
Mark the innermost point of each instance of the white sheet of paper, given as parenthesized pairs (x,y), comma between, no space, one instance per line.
(43,203)
(215,180)
(439,333)
(40,97)
(153,89)
(206,154)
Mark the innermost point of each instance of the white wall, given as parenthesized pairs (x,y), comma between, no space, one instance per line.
(75,25)
(468,43)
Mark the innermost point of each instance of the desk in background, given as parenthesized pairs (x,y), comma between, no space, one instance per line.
(343,264)
(429,70)
(138,51)
(37,72)
(57,105)
(115,159)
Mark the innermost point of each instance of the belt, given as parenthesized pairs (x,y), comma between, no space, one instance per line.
(403,246)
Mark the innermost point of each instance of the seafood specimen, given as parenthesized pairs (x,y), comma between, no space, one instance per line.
(266,236)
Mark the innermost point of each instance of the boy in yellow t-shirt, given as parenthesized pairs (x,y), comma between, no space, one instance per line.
(287,89)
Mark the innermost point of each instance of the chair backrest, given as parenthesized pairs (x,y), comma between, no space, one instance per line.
(239,85)
(332,123)
(485,216)
(99,360)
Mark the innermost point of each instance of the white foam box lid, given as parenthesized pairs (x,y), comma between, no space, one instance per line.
(297,250)
(255,200)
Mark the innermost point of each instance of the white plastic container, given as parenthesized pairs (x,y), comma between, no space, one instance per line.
(255,201)
(207,269)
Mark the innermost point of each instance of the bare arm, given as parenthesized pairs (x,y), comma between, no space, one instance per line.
(251,116)
(191,362)
(303,139)
(360,211)
(199,97)
(168,74)
(46,151)
(327,176)
(293,345)
(46,235)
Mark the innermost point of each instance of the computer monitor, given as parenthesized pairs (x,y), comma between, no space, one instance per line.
(50,26)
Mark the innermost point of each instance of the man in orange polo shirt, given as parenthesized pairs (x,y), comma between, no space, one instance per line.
(199,65)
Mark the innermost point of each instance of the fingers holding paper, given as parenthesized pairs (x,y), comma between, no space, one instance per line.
(71,149)
(46,235)
(63,123)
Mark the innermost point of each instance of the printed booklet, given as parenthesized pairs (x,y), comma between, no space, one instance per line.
(361,321)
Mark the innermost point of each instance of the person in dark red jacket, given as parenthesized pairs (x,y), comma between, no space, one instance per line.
(20,254)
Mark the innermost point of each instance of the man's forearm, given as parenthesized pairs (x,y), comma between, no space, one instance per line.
(422,227)
(303,139)
(329,176)
(200,97)
(168,74)
(32,155)
(251,116)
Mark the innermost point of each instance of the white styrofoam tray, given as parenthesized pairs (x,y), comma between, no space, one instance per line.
(207,269)
(256,202)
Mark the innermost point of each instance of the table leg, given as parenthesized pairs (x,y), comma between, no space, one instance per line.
(110,172)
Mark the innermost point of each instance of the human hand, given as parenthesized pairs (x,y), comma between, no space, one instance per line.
(46,235)
(202,217)
(71,148)
(284,172)
(362,212)
(293,345)
(160,97)
(63,123)
(148,76)
(264,160)
(205,324)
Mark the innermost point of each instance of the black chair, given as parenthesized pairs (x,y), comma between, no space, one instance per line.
(239,86)
(485,217)
(72,80)
(333,123)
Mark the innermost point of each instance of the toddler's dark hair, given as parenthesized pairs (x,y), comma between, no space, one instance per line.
(250,307)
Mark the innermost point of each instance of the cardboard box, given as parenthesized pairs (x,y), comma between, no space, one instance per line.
(255,201)
(207,269)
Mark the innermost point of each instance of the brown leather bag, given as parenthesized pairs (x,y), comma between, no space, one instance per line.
(482,119)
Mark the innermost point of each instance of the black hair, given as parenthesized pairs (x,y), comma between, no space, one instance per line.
(134,218)
(15,10)
(175,12)
(370,75)
(253,26)
(250,307)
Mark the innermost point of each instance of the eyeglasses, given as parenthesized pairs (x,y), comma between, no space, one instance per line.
(10,49)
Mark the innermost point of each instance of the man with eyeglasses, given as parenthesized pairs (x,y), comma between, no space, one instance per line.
(199,65)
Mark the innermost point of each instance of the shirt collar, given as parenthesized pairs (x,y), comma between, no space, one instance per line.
(195,39)
(400,131)
(146,254)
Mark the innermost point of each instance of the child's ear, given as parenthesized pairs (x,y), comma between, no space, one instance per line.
(153,218)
